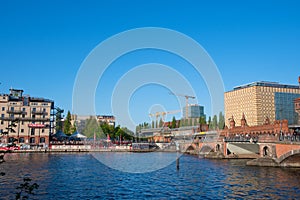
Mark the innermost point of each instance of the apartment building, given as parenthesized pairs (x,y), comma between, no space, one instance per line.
(25,119)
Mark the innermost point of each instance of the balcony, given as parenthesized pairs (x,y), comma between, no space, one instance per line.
(39,112)
(16,112)
(25,119)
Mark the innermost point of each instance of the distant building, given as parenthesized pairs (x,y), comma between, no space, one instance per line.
(194,111)
(31,117)
(108,119)
(259,100)
(80,121)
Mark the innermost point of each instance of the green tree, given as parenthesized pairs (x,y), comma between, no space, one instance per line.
(214,123)
(209,123)
(123,133)
(73,129)
(221,124)
(173,122)
(93,127)
(202,120)
(182,123)
(109,130)
(161,123)
(67,124)
(195,122)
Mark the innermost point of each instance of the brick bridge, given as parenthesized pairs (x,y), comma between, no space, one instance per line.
(283,152)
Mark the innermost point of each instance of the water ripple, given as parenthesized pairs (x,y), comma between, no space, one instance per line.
(81,176)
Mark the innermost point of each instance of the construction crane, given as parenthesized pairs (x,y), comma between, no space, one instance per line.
(187,97)
(163,114)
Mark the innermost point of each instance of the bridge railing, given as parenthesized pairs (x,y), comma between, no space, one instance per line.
(289,137)
(264,138)
(241,139)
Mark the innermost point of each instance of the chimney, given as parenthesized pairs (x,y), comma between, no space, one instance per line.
(299,81)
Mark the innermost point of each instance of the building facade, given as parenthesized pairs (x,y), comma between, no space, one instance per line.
(259,100)
(297,109)
(107,119)
(194,111)
(25,119)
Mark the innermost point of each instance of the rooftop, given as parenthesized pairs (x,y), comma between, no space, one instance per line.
(267,84)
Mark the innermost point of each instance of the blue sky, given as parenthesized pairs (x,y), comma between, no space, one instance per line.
(43,44)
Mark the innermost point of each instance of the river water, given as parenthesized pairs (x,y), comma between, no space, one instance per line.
(83,176)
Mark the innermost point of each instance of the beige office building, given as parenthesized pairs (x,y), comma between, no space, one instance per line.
(260,100)
(28,117)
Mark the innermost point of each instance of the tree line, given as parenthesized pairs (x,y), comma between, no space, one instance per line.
(214,123)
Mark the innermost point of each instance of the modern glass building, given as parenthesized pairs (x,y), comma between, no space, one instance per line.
(194,111)
(284,107)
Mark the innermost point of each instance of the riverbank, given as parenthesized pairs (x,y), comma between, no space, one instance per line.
(86,150)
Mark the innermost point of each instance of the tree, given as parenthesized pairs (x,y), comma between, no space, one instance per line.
(93,127)
(214,123)
(221,121)
(73,129)
(67,124)
(195,122)
(123,133)
(161,123)
(202,120)
(173,122)
(209,123)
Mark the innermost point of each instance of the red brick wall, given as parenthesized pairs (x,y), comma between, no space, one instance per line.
(284,148)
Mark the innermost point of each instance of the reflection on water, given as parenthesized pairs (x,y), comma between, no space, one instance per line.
(136,162)
(74,176)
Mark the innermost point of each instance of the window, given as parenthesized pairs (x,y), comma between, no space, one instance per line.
(33,116)
(3,108)
(32,131)
(2,115)
(22,122)
(33,109)
(2,122)
(21,140)
(12,108)
(22,130)
(24,109)
(23,115)
(11,140)
(42,140)
(32,140)
(43,130)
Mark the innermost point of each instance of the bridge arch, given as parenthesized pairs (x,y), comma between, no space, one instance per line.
(218,147)
(266,151)
(191,148)
(206,149)
(288,155)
